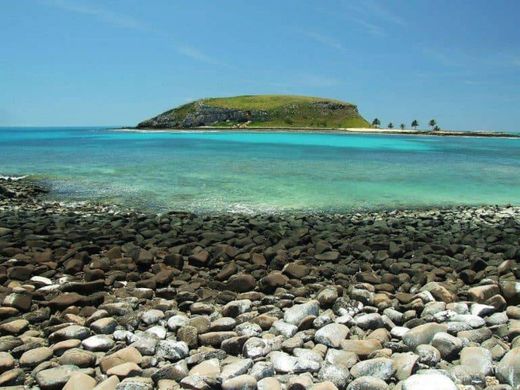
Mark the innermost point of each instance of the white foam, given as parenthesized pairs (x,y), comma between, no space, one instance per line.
(13,178)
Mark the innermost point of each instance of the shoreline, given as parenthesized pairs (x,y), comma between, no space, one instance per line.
(101,295)
(317,130)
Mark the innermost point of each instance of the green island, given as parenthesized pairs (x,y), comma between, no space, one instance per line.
(261,111)
(286,113)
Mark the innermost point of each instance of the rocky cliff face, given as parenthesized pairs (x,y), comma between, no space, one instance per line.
(199,114)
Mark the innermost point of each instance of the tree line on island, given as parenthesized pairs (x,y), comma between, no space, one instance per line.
(415,123)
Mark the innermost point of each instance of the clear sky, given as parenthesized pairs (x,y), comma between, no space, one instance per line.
(116,62)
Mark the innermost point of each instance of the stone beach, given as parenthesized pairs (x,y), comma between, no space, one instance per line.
(97,297)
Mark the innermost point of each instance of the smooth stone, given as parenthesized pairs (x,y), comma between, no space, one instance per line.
(78,357)
(337,374)
(35,356)
(136,383)
(382,368)
(241,382)
(14,327)
(331,335)
(428,381)
(128,354)
(125,369)
(207,369)
(6,361)
(236,368)
(367,383)
(423,334)
(98,343)
(404,364)
(269,384)
(295,314)
(70,332)
(284,328)
(477,359)
(55,378)
(508,369)
(362,348)
(108,384)
(172,350)
(369,321)
(80,381)
(346,358)
(449,346)
(285,363)
(104,325)
(255,347)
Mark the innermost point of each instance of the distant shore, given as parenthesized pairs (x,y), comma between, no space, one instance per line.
(437,133)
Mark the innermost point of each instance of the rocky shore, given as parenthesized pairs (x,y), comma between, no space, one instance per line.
(97,298)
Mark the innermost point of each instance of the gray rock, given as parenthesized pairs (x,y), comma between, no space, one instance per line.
(508,369)
(428,355)
(382,368)
(55,378)
(255,347)
(70,332)
(98,343)
(295,314)
(284,328)
(172,350)
(367,383)
(285,364)
(242,382)
(262,370)
(370,321)
(135,383)
(331,335)
(405,364)
(346,358)
(144,343)
(335,373)
(429,381)
(248,329)
(477,359)
(423,334)
(449,346)
(236,368)
(269,384)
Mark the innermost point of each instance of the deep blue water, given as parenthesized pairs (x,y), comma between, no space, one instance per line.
(239,171)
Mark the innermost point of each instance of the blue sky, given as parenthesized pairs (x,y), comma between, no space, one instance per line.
(91,62)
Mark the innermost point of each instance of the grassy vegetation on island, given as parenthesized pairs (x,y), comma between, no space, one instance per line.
(261,111)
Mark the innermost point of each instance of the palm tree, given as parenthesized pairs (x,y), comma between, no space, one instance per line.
(432,123)
(402,126)
(376,122)
(390,125)
(415,124)
(436,128)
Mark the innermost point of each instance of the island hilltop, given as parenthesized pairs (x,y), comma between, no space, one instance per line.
(260,111)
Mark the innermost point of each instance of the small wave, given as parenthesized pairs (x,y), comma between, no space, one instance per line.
(13,178)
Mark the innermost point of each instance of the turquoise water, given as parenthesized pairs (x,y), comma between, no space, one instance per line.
(253,172)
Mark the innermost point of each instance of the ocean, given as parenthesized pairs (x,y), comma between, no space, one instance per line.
(271,172)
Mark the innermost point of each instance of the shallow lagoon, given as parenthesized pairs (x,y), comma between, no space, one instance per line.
(275,171)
